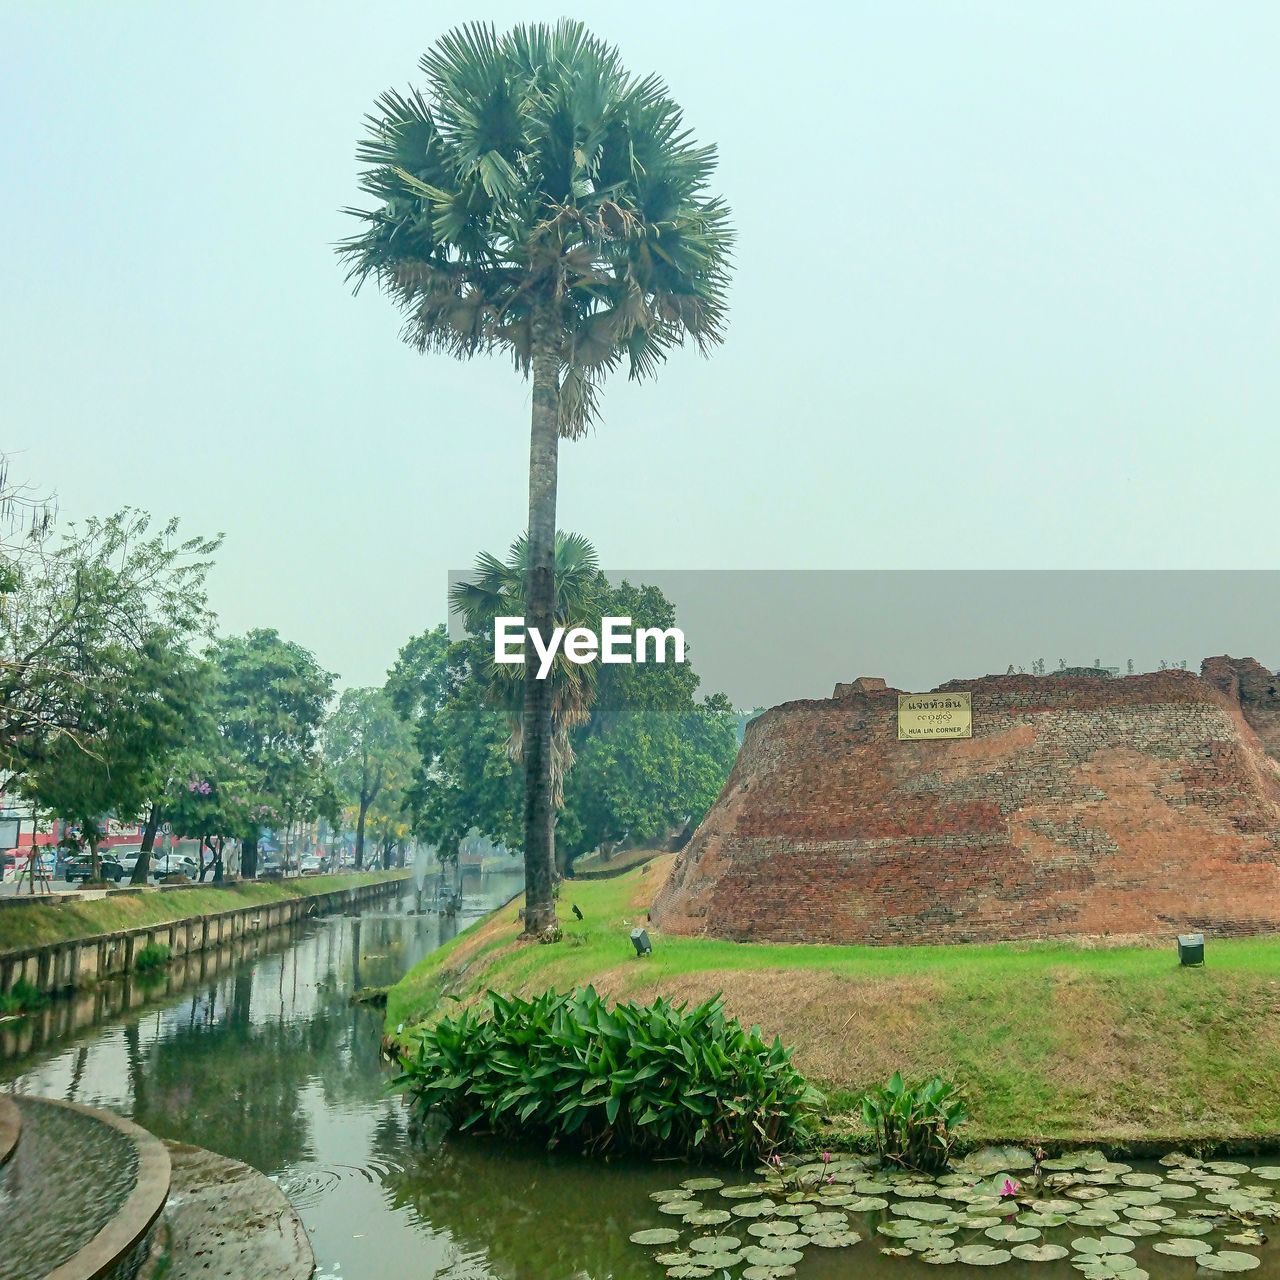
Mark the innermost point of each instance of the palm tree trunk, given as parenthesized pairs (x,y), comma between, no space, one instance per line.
(540,603)
(143,865)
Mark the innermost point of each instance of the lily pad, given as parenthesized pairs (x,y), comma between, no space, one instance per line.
(998,1160)
(1019,1235)
(680,1206)
(1228,1260)
(689,1271)
(768,1273)
(1102,1244)
(723,1261)
(1187,1227)
(1039,1252)
(834,1239)
(1035,1218)
(677,1258)
(1183,1248)
(772,1229)
(1094,1217)
(1250,1239)
(714,1244)
(702,1184)
(826,1222)
(923,1212)
(975,1255)
(763,1208)
(902,1228)
(707,1217)
(867,1204)
(655,1235)
(1140,1179)
(669,1197)
(1150,1212)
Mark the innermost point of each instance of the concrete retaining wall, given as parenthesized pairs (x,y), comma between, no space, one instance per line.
(59,967)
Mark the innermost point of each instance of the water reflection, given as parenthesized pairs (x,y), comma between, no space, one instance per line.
(262,1056)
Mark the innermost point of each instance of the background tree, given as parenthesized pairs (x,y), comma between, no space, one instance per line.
(270,699)
(129,731)
(539,200)
(653,756)
(368,749)
(463,776)
(496,589)
(80,607)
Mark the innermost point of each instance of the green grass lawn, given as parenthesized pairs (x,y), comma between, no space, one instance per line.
(1050,1040)
(38,923)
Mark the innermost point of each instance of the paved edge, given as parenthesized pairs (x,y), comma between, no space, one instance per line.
(10,1126)
(229,1220)
(135,1218)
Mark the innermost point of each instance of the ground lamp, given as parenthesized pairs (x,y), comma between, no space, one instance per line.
(640,940)
(1191,948)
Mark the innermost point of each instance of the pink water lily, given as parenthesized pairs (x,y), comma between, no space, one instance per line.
(1010,1188)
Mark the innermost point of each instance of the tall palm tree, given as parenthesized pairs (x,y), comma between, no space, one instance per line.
(537,199)
(497,589)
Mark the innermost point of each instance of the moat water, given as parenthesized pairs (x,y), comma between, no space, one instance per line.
(266,1059)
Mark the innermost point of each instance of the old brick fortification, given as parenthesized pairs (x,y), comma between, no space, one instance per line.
(1081,806)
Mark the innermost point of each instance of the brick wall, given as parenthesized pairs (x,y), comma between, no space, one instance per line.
(1081,806)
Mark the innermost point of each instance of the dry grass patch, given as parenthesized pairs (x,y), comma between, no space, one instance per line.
(848,1032)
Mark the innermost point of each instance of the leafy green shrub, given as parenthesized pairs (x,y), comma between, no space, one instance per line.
(915,1124)
(153,956)
(653,1078)
(22,997)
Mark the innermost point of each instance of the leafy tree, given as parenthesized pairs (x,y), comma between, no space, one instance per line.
(464,776)
(539,200)
(81,608)
(654,756)
(367,746)
(497,589)
(129,732)
(269,701)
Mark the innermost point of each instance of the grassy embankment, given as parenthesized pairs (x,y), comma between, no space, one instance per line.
(1052,1041)
(40,923)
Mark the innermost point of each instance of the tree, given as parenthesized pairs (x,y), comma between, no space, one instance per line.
(129,733)
(497,589)
(269,701)
(653,756)
(539,200)
(367,746)
(80,608)
(464,776)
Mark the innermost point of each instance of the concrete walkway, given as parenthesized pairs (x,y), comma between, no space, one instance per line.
(225,1221)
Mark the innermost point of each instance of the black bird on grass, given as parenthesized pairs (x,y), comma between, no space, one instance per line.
(576,912)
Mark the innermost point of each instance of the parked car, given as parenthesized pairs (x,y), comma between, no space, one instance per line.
(310,864)
(81,868)
(175,864)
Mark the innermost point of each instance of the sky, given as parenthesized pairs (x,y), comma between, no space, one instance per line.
(1006,295)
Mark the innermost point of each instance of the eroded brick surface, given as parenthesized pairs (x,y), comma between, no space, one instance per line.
(1081,806)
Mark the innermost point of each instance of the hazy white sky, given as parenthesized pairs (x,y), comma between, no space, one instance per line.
(1007,295)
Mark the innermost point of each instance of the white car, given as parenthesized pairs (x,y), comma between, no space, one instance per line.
(175,864)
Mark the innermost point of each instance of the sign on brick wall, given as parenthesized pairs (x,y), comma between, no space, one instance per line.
(934,715)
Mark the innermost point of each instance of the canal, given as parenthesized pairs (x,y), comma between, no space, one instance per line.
(269,1061)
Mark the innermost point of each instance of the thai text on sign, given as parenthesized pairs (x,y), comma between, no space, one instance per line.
(934,715)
